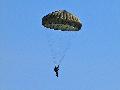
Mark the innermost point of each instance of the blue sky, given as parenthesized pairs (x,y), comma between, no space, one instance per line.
(91,63)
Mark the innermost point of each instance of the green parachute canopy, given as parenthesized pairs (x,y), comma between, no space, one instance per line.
(61,20)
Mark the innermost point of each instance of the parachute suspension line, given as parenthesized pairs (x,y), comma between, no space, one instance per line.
(59,43)
(71,36)
(59,48)
(66,48)
(62,58)
(53,38)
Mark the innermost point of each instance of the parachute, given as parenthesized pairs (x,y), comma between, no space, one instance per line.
(60,42)
(61,20)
